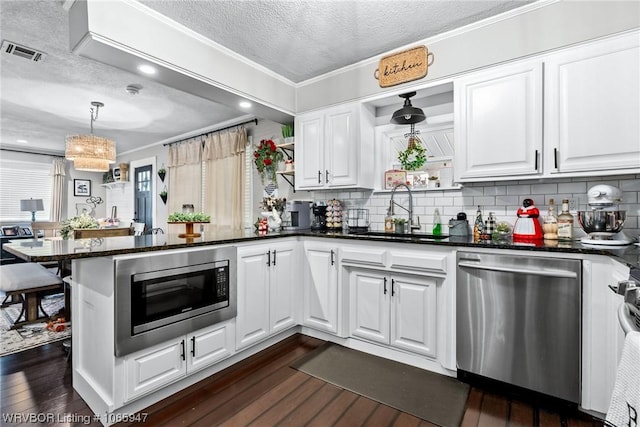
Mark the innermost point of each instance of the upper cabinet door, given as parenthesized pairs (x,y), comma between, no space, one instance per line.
(309,155)
(498,122)
(341,148)
(592,106)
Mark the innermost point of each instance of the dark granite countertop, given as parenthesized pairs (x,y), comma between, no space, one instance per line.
(41,250)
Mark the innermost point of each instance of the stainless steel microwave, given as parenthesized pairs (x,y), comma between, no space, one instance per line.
(163,296)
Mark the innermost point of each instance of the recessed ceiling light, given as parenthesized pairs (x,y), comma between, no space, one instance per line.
(147,69)
(22,141)
(245,104)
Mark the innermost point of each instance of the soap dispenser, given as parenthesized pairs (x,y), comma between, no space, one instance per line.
(437,224)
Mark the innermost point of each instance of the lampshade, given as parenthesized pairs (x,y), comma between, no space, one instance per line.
(31,205)
(89,152)
(408,114)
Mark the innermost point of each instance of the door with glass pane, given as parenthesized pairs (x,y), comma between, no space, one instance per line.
(142,196)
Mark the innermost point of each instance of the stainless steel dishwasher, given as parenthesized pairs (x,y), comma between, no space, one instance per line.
(518,321)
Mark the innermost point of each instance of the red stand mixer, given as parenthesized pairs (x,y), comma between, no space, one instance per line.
(527,227)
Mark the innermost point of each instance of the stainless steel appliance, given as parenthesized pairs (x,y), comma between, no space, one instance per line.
(299,214)
(518,321)
(320,216)
(603,222)
(163,296)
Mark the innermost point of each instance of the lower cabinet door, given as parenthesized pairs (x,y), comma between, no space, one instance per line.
(252,321)
(208,346)
(369,294)
(413,310)
(283,273)
(154,368)
(320,287)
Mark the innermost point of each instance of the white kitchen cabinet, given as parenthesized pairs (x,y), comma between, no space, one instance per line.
(498,122)
(396,310)
(266,278)
(592,106)
(320,286)
(155,367)
(587,111)
(334,148)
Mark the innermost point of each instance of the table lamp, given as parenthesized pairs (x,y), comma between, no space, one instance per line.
(32,205)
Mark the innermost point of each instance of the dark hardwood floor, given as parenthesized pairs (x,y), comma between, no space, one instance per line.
(260,391)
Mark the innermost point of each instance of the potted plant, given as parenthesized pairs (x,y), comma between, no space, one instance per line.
(163,195)
(77,222)
(287,133)
(266,158)
(162,173)
(107,177)
(400,225)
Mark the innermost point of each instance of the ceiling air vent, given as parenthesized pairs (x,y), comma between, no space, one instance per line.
(22,51)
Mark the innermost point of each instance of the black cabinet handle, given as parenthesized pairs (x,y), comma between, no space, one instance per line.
(393,287)
(326,176)
(555,158)
(332,261)
(274,257)
(385,285)
(193,346)
(269,259)
(319,177)
(183,355)
(536,167)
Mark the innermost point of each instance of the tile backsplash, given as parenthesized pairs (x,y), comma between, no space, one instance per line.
(501,198)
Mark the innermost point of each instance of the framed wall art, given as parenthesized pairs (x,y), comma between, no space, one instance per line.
(81,187)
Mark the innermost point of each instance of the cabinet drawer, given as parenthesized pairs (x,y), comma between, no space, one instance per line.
(418,261)
(363,256)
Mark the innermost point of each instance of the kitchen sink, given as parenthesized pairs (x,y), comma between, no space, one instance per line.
(402,236)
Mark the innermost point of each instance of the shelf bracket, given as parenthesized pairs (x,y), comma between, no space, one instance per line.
(286,178)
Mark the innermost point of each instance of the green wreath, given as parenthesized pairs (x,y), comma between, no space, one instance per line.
(413,157)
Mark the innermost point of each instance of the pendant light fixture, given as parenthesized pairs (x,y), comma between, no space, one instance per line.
(89,152)
(408,114)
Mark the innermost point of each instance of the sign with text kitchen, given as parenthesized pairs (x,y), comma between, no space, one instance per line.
(402,67)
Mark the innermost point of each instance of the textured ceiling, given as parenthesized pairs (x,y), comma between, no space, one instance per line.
(44,102)
(304,39)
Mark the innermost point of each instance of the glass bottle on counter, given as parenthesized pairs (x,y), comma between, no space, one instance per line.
(389,225)
(565,223)
(550,224)
(437,223)
(478,226)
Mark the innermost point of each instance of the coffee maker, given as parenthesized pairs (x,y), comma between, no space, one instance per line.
(319,216)
(299,214)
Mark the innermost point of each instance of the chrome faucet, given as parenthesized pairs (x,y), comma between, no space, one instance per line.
(412,225)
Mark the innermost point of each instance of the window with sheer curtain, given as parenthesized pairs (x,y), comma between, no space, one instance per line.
(24,180)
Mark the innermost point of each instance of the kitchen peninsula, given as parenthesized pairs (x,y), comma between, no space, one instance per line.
(321,304)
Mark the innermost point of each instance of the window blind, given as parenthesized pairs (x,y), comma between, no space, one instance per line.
(23,180)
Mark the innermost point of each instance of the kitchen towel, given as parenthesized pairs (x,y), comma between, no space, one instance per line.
(624,409)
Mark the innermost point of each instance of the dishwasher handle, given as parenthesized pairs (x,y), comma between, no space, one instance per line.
(547,273)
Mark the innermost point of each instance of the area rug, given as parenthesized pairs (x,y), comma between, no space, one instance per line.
(29,336)
(433,397)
